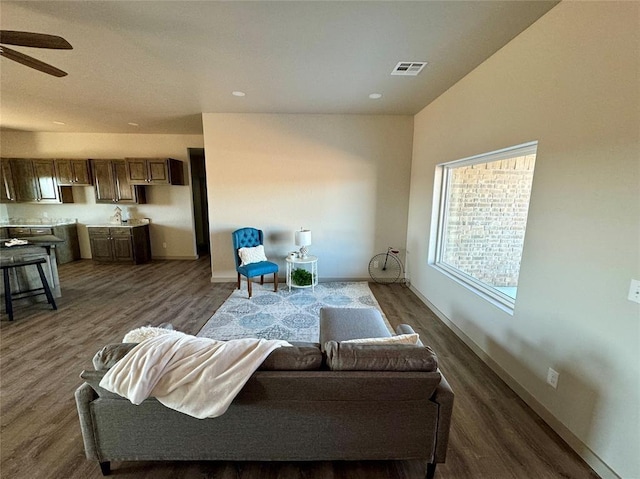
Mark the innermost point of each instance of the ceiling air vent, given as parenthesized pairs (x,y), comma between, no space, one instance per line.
(408,68)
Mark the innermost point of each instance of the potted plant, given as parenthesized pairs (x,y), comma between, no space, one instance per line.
(301,277)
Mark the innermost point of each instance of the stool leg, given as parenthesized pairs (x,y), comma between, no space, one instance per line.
(8,305)
(45,285)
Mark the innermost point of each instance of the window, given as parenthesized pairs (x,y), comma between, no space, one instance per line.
(484,201)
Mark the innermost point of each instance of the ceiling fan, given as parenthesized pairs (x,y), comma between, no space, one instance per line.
(34,40)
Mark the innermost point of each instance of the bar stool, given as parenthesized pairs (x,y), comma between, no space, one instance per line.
(9,297)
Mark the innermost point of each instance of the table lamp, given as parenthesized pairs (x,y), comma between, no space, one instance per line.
(303,239)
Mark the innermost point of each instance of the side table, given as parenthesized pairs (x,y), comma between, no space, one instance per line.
(310,262)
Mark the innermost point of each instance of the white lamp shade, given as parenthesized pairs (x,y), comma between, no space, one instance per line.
(303,238)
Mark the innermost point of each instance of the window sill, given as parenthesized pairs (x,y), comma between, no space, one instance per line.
(493,296)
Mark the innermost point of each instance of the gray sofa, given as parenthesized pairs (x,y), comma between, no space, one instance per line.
(326,401)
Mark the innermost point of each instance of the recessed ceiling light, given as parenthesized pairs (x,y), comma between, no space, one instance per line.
(59,123)
(375,96)
(238,93)
(133,124)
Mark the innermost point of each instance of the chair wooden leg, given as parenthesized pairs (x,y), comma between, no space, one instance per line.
(275,282)
(238,287)
(45,286)
(105,467)
(262,279)
(249,286)
(8,304)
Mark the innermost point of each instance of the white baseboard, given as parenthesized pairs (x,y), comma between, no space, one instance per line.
(223,279)
(175,258)
(592,459)
(281,280)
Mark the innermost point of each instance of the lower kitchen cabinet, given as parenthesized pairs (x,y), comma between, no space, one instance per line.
(120,243)
(70,249)
(67,251)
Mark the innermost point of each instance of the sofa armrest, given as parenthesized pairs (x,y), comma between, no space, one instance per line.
(406,329)
(84,396)
(443,396)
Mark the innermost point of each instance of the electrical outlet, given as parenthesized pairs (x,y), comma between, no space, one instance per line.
(375,264)
(164,245)
(634,291)
(552,378)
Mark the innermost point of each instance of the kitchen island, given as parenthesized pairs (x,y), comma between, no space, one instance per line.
(63,228)
(23,279)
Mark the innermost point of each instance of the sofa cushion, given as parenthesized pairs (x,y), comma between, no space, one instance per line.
(379,357)
(411,338)
(341,324)
(299,357)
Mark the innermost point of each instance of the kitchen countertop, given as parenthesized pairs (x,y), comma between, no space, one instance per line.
(129,224)
(42,240)
(13,225)
(29,223)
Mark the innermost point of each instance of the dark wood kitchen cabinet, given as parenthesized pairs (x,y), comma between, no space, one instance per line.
(129,244)
(154,171)
(112,185)
(73,172)
(7,191)
(35,181)
(67,251)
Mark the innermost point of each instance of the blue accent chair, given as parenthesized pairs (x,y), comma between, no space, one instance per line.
(248,238)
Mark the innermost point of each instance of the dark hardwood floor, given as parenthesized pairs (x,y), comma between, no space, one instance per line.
(494,434)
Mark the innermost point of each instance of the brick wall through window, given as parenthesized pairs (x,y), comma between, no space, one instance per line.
(486,219)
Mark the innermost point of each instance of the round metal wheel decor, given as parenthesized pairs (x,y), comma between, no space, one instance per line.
(385,268)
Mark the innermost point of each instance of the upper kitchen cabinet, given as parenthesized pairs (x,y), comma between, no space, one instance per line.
(154,171)
(112,184)
(34,181)
(73,173)
(7,192)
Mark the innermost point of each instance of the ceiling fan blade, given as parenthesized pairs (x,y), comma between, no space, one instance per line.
(36,40)
(30,62)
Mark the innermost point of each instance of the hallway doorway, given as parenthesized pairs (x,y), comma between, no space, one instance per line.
(200,205)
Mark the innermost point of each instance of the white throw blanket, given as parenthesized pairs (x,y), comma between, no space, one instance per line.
(197,376)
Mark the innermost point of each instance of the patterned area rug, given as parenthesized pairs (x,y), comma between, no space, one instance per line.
(292,316)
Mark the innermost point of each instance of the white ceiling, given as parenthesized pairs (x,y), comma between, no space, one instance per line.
(162,63)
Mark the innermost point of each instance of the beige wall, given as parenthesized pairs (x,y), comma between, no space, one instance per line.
(571,82)
(169,207)
(345,177)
